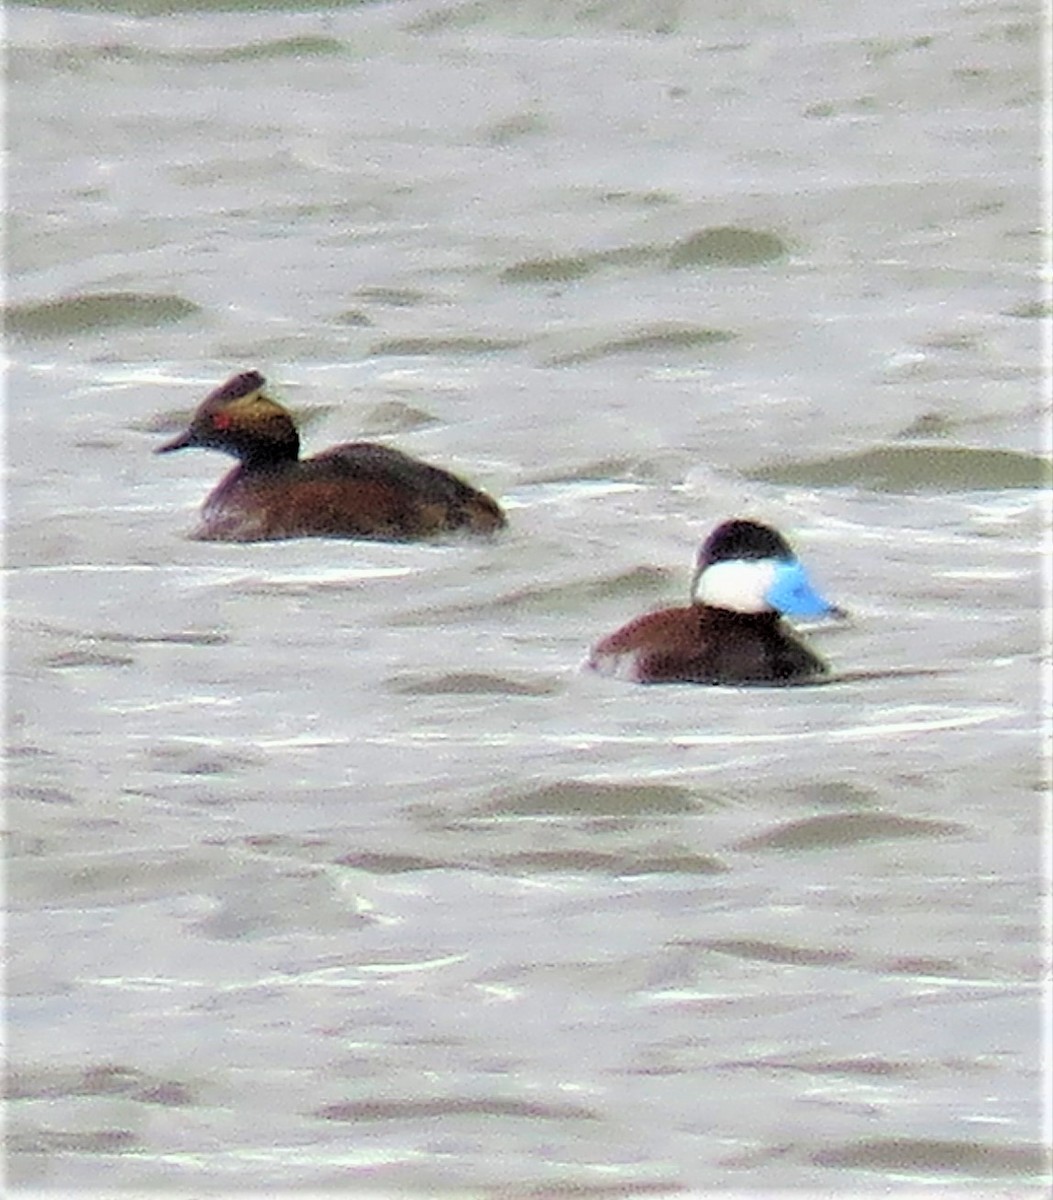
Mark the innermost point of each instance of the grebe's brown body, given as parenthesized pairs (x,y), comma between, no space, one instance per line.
(356,490)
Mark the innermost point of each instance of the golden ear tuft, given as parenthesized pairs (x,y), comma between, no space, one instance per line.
(236,387)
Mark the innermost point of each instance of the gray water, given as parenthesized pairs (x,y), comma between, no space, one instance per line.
(328,867)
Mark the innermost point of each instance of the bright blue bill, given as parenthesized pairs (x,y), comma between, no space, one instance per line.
(792,594)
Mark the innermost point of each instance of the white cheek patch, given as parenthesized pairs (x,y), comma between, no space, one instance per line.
(737,584)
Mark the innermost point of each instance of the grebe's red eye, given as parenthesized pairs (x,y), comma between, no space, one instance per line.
(222,420)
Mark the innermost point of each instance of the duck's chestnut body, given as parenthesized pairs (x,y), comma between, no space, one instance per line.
(357,490)
(733,632)
(698,644)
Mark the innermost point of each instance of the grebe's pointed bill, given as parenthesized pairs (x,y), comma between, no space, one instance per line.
(792,593)
(177,443)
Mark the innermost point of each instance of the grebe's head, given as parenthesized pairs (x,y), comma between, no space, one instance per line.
(239,419)
(745,567)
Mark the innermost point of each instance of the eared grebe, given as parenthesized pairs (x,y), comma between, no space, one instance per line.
(357,490)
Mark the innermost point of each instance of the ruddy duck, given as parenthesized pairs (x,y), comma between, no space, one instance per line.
(357,490)
(746,579)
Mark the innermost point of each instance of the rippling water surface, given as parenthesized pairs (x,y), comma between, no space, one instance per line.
(328,866)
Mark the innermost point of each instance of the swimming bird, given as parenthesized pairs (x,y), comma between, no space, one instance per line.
(355,490)
(746,580)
